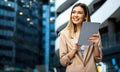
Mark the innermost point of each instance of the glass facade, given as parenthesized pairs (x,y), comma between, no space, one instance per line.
(20,34)
(111,44)
(7,28)
(46,36)
(52,34)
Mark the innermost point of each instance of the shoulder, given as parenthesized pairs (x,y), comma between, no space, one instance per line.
(65,31)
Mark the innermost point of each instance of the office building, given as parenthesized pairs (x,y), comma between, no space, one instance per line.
(20,34)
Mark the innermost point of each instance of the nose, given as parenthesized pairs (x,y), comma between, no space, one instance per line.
(76,14)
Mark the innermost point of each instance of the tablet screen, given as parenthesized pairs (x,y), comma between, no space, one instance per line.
(88,28)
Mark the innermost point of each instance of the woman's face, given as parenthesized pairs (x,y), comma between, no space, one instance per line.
(78,15)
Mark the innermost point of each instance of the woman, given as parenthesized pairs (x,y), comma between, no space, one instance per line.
(77,58)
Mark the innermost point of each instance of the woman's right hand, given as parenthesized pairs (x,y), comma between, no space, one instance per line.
(76,46)
(73,51)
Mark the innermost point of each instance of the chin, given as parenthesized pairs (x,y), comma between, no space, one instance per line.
(76,23)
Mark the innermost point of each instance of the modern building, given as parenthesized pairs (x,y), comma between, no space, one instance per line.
(20,34)
(46,35)
(7,29)
(49,36)
(52,33)
(106,12)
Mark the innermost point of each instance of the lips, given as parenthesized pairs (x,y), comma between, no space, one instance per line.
(76,19)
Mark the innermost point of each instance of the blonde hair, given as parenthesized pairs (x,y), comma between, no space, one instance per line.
(70,26)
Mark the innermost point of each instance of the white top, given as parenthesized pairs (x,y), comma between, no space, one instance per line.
(82,49)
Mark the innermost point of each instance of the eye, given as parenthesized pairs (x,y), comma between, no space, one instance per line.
(73,11)
(80,12)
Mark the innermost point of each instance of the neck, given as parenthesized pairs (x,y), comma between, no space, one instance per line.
(78,28)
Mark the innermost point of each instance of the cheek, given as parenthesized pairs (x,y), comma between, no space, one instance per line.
(82,16)
(72,16)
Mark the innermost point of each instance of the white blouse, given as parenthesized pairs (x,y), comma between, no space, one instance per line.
(82,50)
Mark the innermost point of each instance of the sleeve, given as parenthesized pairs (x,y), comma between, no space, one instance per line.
(64,59)
(99,59)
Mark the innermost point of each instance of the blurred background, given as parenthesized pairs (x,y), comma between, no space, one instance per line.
(29,40)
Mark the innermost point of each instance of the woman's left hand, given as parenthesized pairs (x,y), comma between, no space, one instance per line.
(94,38)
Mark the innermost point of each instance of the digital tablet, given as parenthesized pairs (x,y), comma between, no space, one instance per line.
(88,28)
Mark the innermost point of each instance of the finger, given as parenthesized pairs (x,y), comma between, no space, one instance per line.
(92,38)
(76,45)
(95,35)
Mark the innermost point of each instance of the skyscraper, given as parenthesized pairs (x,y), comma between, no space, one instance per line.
(20,33)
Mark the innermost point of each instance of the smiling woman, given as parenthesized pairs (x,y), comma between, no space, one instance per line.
(79,58)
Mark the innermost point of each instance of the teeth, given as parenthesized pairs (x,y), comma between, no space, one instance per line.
(76,19)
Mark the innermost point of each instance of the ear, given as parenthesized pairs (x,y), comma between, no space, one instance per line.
(85,19)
